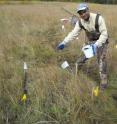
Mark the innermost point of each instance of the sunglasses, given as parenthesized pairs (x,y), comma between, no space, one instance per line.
(82,12)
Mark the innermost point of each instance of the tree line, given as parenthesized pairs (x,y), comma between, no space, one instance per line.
(90,1)
(103,1)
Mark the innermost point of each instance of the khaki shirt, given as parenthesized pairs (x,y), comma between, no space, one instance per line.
(89,26)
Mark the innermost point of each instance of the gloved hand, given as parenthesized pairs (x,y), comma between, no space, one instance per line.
(61,46)
(94,47)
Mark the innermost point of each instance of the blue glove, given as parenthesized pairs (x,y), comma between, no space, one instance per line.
(61,46)
(94,47)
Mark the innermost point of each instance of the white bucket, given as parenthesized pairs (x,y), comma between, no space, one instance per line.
(64,64)
(88,51)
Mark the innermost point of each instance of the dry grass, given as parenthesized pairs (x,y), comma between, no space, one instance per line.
(30,33)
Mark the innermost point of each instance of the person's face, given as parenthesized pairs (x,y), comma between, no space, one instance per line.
(84,14)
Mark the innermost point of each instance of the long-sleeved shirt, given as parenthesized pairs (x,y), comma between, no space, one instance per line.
(89,26)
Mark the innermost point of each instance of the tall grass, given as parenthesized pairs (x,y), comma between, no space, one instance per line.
(30,33)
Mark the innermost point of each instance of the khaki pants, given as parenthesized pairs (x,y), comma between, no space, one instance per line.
(101,59)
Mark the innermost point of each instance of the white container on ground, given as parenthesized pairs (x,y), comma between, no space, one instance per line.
(64,64)
(88,51)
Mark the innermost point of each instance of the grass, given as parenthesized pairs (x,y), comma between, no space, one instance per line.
(30,33)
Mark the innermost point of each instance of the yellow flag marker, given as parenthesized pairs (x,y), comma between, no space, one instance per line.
(95,91)
(24,97)
(116,46)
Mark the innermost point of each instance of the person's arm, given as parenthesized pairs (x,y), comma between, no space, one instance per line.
(73,34)
(103,30)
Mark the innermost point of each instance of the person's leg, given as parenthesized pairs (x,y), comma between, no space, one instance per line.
(101,56)
(81,60)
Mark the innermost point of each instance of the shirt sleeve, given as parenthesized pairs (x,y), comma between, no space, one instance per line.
(103,30)
(73,34)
